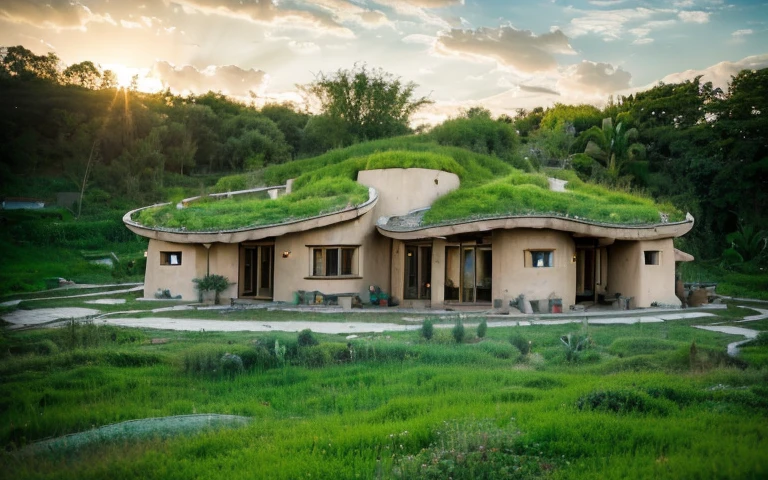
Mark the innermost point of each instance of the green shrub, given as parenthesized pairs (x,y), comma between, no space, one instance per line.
(231,364)
(618,401)
(458,331)
(323,355)
(214,283)
(523,345)
(630,346)
(307,339)
(427,329)
(482,328)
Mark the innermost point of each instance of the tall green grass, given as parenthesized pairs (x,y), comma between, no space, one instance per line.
(387,406)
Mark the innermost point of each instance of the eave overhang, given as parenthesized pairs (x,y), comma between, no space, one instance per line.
(576,226)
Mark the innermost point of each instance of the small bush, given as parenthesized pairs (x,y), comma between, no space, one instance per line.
(427,329)
(617,401)
(307,338)
(322,355)
(458,331)
(231,364)
(521,343)
(482,328)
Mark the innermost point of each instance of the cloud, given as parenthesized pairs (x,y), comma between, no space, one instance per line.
(594,78)
(607,23)
(534,89)
(130,24)
(60,14)
(517,49)
(605,3)
(420,39)
(719,74)
(422,10)
(742,32)
(346,11)
(642,41)
(304,48)
(229,79)
(270,13)
(694,16)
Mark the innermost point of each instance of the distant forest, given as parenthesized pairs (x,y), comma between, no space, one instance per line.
(702,148)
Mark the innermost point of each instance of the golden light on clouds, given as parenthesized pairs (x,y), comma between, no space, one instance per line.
(144,81)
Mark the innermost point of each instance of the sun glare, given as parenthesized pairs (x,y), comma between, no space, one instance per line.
(125,75)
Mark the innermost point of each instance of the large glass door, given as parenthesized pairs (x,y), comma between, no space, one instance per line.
(258,271)
(468,273)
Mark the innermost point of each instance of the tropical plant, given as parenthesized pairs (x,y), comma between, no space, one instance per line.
(574,344)
(212,283)
(613,146)
(747,243)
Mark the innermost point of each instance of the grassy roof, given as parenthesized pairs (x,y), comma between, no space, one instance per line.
(489,188)
(529,194)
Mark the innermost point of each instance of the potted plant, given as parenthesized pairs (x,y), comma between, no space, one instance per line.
(215,283)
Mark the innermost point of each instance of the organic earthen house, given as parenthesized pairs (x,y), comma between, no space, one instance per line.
(382,242)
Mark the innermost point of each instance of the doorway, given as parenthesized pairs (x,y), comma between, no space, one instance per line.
(418,272)
(468,273)
(258,271)
(585,274)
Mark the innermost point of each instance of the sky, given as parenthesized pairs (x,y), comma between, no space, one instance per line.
(502,55)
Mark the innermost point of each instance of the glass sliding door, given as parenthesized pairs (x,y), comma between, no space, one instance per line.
(468,273)
(418,272)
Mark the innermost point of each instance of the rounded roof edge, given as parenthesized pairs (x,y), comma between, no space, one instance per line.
(250,233)
(582,227)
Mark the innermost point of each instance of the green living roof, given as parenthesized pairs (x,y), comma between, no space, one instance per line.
(489,188)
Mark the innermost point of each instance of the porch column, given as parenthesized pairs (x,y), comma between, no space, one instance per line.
(438,272)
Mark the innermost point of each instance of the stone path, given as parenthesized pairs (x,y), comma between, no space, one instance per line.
(41,316)
(753,318)
(195,325)
(12,303)
(733,348)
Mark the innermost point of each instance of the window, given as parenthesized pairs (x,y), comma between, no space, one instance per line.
(170,258)
(334,261)
(542,258)
(652,257)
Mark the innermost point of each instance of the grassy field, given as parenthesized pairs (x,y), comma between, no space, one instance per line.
(640,401)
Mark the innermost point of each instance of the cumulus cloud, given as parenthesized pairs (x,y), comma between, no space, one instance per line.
(609,24)
(420,38)
(346,11)
(269,12)
(422,9)
(642,41)
(50,13)
(719,74)
(509,47)
(229,79)
(694,16)
(594,78)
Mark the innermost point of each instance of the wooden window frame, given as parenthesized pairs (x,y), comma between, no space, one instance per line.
(354,262)
(166,259)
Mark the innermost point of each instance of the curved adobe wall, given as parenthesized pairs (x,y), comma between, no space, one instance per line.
(404,189)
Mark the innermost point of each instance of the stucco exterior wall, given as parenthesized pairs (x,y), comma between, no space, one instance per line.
(404,189)
(293,272)
(511,277)
(629,275)
(176,278)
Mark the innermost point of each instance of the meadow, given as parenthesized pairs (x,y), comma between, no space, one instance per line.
(637,401)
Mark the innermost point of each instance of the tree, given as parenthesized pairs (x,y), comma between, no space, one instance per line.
(19,63)
(108,79)
(84,74)
(369,103)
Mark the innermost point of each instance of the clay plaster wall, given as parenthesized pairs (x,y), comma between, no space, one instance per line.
(511,276)
(402,190)
(629,275)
